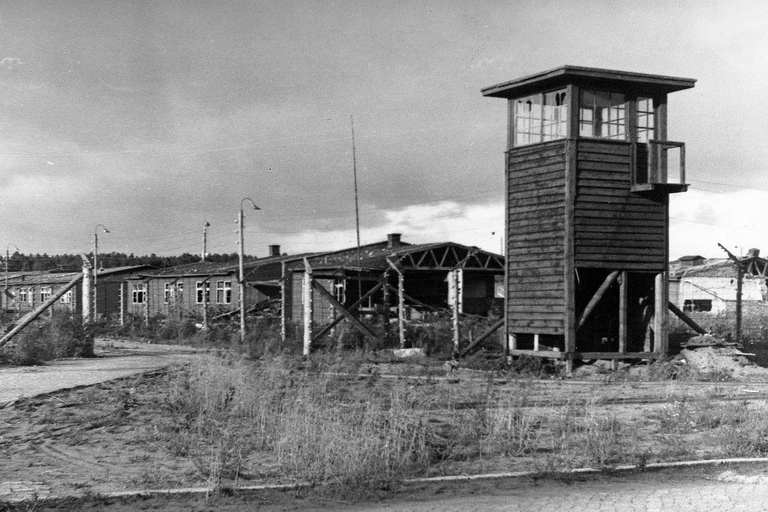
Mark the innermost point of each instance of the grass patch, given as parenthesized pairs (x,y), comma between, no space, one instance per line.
(49,338)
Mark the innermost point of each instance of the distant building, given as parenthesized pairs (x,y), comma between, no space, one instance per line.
(28,290)
(706,288)
(192,287)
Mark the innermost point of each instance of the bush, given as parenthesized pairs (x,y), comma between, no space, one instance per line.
(46,339)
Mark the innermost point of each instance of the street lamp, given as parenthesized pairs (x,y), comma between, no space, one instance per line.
(96,265)
(242,273)
(205,241)
(7,257)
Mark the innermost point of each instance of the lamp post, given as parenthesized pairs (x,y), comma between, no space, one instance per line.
(7,257)
(205,241)
(96,266)
(241,277)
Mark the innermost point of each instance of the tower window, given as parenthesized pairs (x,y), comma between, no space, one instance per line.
(540,118)
(645,120)
(603,115)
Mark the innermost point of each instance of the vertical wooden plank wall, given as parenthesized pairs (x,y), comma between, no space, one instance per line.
(615,228)
(536,237)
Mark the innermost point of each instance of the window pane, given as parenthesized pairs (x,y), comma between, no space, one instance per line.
(540,117)
(528,120)
(645,119)
(555,116)
(603,114)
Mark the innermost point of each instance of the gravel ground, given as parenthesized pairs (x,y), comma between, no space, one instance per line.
(114,359)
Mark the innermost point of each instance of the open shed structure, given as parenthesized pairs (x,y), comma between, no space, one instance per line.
(393,279)
(589,171)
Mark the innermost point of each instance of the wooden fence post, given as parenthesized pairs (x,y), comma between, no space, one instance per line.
(308,296)
(400,302)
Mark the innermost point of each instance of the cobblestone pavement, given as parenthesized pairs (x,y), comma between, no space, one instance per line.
(115,359)
(701,489)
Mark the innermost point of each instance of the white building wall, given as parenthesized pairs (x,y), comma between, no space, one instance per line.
(719,290)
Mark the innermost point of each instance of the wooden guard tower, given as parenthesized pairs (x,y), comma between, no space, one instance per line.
(589,171)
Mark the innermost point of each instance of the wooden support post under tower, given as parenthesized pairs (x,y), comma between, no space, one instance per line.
(623,330)
(660,314)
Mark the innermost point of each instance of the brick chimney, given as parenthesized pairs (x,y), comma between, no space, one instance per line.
(753,253)
(274,250)
(393,240)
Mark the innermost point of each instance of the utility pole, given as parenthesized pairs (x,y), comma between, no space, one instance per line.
(96,267)
(241,276)
(7,257)
(739,281)
(357,212)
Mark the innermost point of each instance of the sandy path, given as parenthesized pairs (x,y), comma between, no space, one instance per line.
(115,359)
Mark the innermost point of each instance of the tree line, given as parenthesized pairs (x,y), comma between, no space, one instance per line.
(18,262)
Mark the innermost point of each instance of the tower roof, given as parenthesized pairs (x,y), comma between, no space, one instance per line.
(593,78)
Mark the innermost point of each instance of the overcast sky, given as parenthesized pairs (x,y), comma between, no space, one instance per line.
(153,117)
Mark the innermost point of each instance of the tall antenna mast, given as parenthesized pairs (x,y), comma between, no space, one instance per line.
(357,208)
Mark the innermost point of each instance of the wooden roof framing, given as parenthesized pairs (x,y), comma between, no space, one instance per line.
(756,266)
(436,256)
(447,257)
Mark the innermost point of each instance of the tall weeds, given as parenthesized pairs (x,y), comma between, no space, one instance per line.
(291,420)
(303,420)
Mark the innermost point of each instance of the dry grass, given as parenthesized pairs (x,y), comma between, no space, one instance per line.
(286,420)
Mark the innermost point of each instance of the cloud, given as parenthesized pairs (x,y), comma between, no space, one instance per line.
(699,220)
(10,62)
(448,221)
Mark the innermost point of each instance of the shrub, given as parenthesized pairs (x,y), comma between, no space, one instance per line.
(62,335)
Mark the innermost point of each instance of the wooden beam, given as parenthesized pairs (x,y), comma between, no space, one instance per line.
(609,280)
(352,309)
(456,306)
(569,263)
(493,328)
(308,296)
(283,303)
(688,320)
(616,355)
(29,318)
(658,303)
(349,316)
(385,301)
(623,298)
(538,353)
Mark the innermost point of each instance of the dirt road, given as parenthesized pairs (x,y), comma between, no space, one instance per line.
(115,359)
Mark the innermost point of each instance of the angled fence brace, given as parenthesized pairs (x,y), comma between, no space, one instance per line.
(28,319)
(493,328)
(688,320)
(349,316)
(352,310)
